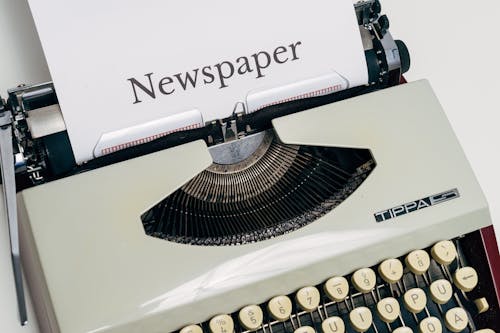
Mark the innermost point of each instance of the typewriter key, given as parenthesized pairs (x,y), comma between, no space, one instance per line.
(418,262)
(444,252)
(441,291)
(391,270)
(221,324)
(403,329)
(415,300)
(361,319)
(465,278)
(251,317)
(430,325)
(388,309)
(456,319)
(192,329)
(333,325)
(364,280)
(308,298)
(337,288)
(481,305)
(305,329)
(280,308)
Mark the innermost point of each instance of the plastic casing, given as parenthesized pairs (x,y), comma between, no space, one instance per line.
(91,267)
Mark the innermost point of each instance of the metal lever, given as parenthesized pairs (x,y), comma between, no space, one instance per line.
(9,191)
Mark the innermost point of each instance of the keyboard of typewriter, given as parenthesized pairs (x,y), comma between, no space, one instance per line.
(426,291)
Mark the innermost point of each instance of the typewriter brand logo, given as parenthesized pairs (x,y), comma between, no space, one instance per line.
(416,205)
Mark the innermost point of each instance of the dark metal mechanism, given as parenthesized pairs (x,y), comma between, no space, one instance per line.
(49,157)
(276,190)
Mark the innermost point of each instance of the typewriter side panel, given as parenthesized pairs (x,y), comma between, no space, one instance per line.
(9,314)
(416,151)
(95,256)
(61,251)
(40,297)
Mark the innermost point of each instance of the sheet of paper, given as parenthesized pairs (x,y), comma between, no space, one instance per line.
(120,64)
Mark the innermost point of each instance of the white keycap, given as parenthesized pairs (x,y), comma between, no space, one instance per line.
(441,291)
(388,309)
(482,305)
(430,325)
(251,317)
(418,262)
(456,319)
(415,300)
(333,325)
(280,308)
(465,278)
(361,319)
(391,270)
(305,329)
(337,288)
(192,329)
(364,280)
(444,252)
(221,324)
(403,329)
(485,330)
(308,298)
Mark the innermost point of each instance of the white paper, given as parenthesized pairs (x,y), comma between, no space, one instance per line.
(94,49)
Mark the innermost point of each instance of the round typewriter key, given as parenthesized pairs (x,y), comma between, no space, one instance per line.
(391,270)
(441,291)
(333,325)
(444,252)
(221,324)
(305,329)
(388,309)
(485,330)
(403,329)
(337,288)
(308,298)
(465,278)
(364,280)
(251,317)
(192,329)
(430,325)
(456,319)
(361,319)
(418,262)
(415,300)
(280,308)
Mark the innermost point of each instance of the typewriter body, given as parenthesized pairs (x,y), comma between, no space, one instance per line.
(350,212)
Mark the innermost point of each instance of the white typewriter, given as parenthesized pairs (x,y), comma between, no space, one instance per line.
(351,212)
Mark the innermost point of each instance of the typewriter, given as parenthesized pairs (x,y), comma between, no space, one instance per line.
(355,211)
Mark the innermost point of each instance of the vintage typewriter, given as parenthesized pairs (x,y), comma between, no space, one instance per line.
(351,212)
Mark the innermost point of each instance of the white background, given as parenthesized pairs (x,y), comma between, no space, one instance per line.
(454,44)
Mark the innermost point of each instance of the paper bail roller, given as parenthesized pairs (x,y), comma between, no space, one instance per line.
(147,132)
(318,86)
